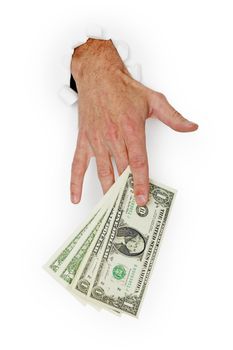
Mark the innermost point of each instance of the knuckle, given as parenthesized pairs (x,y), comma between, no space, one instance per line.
(77,168)
(78,172)
(138,161)
(128,124)
(93,137)
(111,133)
(140,188)
(159,100)
(122,164)
(75,161)
(104,172)
(177,116)
(74,164)
(161,96)
(73,187)
(82,139)
(121,167)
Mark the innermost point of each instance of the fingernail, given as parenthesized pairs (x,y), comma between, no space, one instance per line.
(74,199)
(189,122)
(141,199)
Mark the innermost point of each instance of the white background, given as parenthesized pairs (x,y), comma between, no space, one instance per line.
(185,48)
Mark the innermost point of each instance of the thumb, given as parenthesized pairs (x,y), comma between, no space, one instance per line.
(160,108)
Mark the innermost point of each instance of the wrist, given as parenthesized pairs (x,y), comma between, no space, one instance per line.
(96,58)
(99,60)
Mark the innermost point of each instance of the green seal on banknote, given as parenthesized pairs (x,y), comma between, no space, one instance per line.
(119,272)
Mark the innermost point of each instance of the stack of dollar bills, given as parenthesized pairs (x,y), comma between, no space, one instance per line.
(107,261)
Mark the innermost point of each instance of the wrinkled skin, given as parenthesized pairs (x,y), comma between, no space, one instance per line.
(112,109)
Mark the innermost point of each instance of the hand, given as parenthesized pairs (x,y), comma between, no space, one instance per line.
(112,109)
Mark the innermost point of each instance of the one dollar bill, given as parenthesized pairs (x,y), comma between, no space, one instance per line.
(130,250)
(107,261)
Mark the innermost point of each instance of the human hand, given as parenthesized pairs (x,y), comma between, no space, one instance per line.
(112,109)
